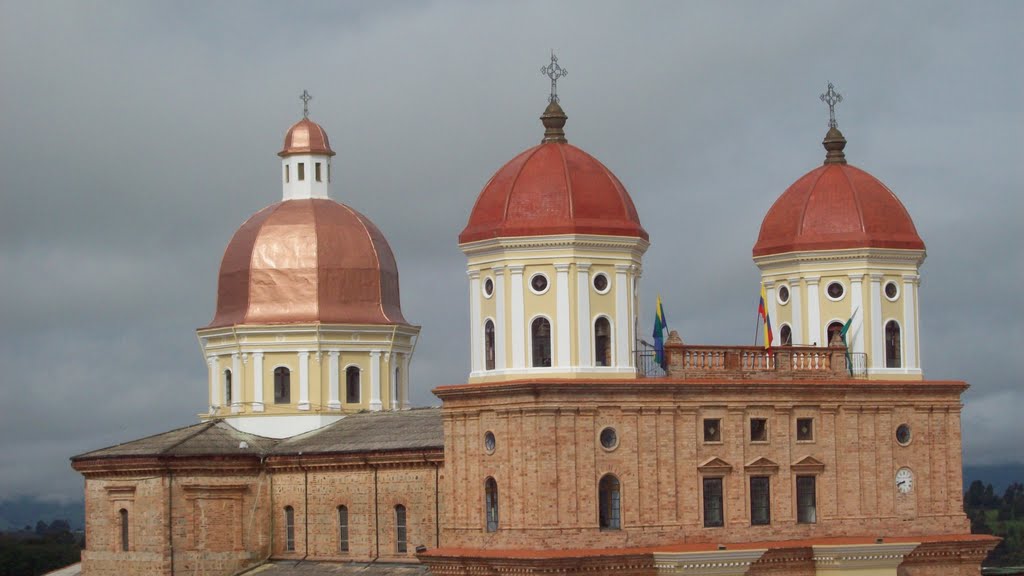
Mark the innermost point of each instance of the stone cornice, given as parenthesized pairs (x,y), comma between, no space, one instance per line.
(891,255)
(854,557)
(494,245)
(715,563)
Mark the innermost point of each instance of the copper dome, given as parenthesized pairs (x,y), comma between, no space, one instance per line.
(836,206)
(302,261)
(306,137)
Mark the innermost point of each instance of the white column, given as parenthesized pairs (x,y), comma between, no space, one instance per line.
(796,306)
(375,404)
(406,359)
(303,381)
(857,313)
(257,381)
(814,331)
(334,392)
(396,371)
(621,314)
(385,377)
(518,318)
(877,359)
(769,294)
(563,358)
(583,336)
(211,362)
(476,349)
(909,328)
(499,318)
(236,382)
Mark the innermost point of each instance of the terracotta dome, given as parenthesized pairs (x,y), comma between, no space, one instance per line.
(553,188)
(306,137)
(836,206)
(302,261)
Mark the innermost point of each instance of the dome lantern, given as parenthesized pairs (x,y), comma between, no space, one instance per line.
(306,158)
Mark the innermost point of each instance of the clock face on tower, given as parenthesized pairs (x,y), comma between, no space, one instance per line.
(904,480)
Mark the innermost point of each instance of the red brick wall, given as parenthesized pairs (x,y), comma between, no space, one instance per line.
(145,501)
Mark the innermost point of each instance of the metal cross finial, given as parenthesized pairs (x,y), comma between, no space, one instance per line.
(554,71)
(305,103)
(831,98)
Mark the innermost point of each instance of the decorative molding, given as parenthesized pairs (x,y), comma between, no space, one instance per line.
(808,464)
(852,557)
(715,465)
(711,563)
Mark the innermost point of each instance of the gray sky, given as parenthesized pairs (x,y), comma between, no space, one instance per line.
(136,137)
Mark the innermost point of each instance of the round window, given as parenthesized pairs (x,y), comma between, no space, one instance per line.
(892,291)
(539,283)
(783,294)
(903,434)
(601,283)
(488,287)
(609,439)
(489,442)
(835,291)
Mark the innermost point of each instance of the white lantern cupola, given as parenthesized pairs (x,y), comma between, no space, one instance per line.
(306,159)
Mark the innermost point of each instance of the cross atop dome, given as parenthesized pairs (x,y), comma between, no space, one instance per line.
(554,117)
(834,141)
(554,72)
(305,103)
(831,97)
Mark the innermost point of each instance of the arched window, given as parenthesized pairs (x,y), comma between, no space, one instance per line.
(603,342)
(832,331)
(124,529)
(282,385)
(289,529)
(401,536)
(540,332)
(610,501)
(352,385)
(489,345)
(227,387)
(491,504)
(343,528)
(786,335)
(893,356)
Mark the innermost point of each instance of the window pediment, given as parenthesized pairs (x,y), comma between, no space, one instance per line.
(808,464)
(715,465)
(762,465)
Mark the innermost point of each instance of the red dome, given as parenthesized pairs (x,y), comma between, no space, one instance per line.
(553,188)
(833,207)
(306,137)
(303,261)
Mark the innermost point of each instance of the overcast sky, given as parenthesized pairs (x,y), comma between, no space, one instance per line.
(136,137)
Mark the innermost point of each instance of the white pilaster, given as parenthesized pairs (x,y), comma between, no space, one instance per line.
(211,362)
(477,348)
(395,370)
(796,306)
(909,344)
(563,331)
(406,359)
(499,318)
(877,359)
(303,381)
(769,294)
(814,329)
(857,313)
(621,313)
(583,336)
(375,403)
(518,318)
(257,382)
(236,382)
(333,379)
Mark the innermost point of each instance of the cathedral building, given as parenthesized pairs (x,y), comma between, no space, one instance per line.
(566,451)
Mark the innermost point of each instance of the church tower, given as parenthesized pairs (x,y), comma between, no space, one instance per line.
(554,248)
(839,245)
(308,325)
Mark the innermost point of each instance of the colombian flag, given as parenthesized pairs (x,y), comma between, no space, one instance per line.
(762,311)
(660,325)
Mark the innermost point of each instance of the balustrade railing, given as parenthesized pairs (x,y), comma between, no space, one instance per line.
(750,362)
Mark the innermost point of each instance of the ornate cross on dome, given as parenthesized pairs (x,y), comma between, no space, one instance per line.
(553,71)
(305,103)
(831,97)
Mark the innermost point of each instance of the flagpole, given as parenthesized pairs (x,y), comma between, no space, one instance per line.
(757,322)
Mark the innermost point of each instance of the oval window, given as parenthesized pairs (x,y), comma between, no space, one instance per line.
(609,439)
(539,283)
(489,442)
(892,291)
(783,294)
(601,283)
(903,434)
(488,287)
(835,291)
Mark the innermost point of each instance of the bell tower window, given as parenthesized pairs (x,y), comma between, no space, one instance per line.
(602,342)
(892,345)
(287,173)
(489,345)
(352,385)
(302,171)
(491,504)
(609,508)
(316,170)
(227,387)
(786,335)
(282,385)
(832,331)
(124,529)
(540,332)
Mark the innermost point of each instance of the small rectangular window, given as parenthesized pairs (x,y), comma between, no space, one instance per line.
(302,171)
(342,528)
(712,430)
(713,516)
(805,429)
(806,500)
(760,501)
(289,529)
(401,536)
(328,172)
(287,173)
(758,429)
(317,172)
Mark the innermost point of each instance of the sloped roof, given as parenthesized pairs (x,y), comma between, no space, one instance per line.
(204,439)
(419,428)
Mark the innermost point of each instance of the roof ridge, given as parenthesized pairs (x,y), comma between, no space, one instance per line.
(807,200)
(512,186)
(208,424)
(856,199)
(568,181)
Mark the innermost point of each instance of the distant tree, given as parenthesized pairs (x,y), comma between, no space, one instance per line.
(975,495)
(41,527)
(59,527)
(978,523)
